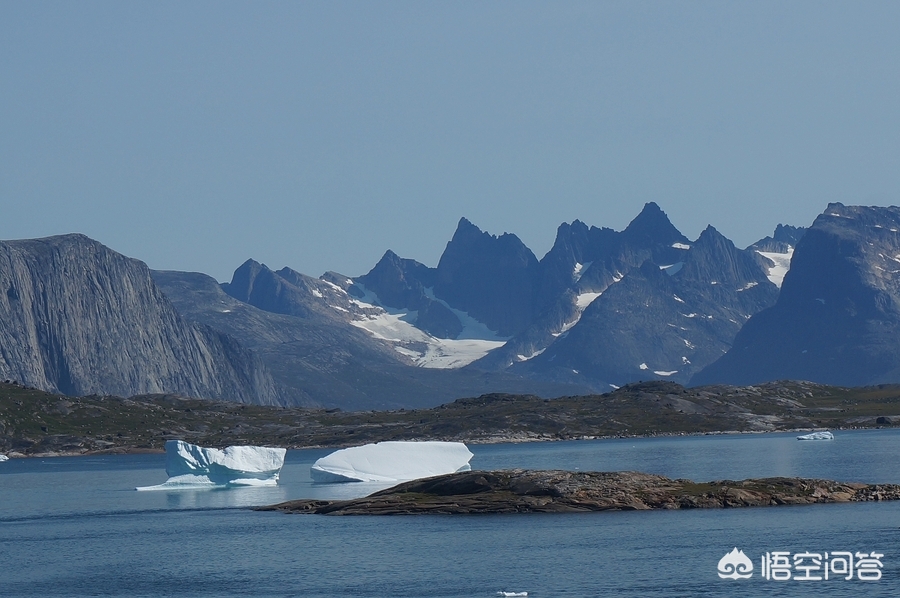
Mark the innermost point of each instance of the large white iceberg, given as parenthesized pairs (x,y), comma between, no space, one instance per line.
(393,461)
(817,436)
(192,466)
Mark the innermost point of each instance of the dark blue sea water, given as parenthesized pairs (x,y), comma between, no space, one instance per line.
(76,527)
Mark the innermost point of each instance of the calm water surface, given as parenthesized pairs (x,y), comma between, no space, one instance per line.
(76,527)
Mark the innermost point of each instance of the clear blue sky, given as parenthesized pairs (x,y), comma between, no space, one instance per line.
(193,135)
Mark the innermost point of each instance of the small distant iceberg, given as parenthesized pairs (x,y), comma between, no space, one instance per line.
(393,461)
(194,467)
(817,436)
(3,458)
(512,593)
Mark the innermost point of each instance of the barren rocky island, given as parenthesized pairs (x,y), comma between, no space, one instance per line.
(555,491)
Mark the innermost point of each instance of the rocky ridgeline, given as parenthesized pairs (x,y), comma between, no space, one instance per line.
(527,491)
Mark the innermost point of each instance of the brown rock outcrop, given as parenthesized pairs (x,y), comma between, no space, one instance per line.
(527,491)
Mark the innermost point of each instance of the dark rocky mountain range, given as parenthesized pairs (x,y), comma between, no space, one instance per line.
(653,324)
(79,318)
(601,309)
(837,319)
(301,329)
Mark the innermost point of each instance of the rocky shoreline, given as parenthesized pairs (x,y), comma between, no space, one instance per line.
(35,423)
(517,438)
(555,491)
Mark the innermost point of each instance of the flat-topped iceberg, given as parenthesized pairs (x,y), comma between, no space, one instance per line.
(817,436)
(393,461)
(190,466)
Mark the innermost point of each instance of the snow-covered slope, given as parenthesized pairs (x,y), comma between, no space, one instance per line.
(781,263)
(396,326)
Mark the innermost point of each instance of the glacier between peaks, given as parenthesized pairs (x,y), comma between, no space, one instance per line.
(190,466)
(393,461)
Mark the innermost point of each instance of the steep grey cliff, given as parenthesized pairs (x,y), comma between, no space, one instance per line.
(837,319)
(79,318)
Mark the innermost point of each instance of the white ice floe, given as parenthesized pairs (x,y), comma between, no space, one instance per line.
(782,263)
(3,458)
(392,461)
(680,246)
(663,373)
(817,436)
(509,594)
(190,466)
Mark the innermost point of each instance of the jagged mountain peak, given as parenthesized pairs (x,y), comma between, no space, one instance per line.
(710,229)
(389,262)
(652,226)
(492,278)
(390,256)
(292,276)
(711,240)
(713,259)
(465,229)
(785,233)
(469,233)
(244,278)
(399,282)
(782,241)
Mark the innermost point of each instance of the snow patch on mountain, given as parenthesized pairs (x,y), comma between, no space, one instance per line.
(673,269)
(585,299)
(396,326)
(782,263)
(578,272)
(521,357)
